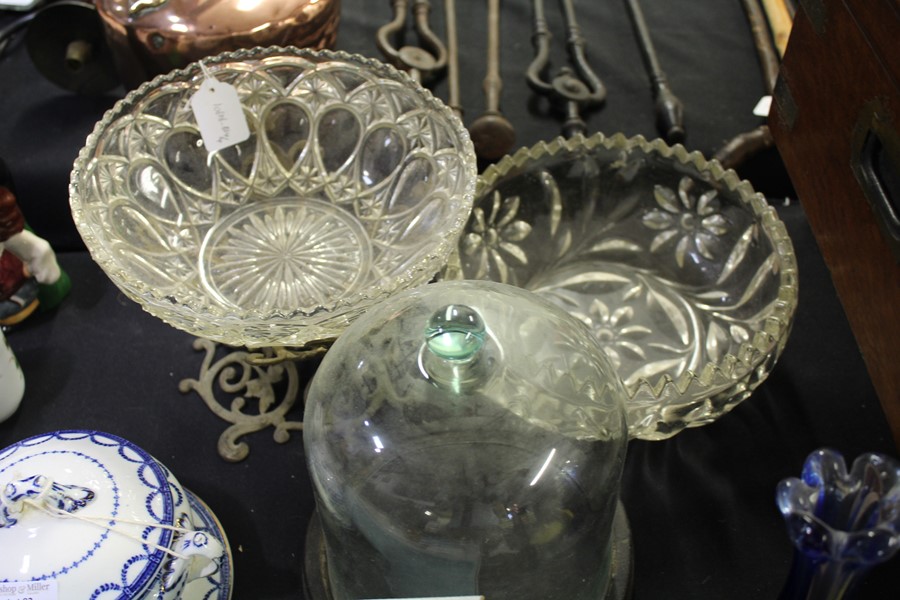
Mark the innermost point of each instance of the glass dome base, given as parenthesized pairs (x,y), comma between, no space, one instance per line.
(315,569)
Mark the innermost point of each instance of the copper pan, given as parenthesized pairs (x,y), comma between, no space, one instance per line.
(149,37)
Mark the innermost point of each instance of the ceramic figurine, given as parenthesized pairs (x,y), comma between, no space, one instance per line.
(29,274)
(12,382)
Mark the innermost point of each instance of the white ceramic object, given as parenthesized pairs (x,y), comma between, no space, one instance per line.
(12,381)
(99,518)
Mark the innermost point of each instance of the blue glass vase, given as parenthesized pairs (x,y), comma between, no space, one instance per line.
(841,524)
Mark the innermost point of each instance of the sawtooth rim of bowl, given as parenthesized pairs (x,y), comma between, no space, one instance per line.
(717,386)
(219,319)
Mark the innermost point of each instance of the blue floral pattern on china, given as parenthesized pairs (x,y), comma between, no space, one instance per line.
(67,498)
(157,493)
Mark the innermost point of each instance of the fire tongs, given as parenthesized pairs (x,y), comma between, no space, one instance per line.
(421,62)
(576,89)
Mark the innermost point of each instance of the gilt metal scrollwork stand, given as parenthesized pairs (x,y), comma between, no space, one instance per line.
(578,88)
(270,379)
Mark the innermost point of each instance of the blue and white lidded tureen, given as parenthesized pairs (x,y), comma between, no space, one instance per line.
(86,515)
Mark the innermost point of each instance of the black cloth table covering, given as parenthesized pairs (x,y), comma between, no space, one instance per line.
(701,504)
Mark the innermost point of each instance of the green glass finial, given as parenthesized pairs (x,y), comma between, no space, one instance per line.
(455,332)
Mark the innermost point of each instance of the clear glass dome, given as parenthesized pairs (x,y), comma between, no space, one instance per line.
(466,438)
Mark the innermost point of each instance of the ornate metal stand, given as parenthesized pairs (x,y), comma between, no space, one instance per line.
(267,382)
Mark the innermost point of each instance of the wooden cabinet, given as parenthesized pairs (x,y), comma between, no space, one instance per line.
(835,122)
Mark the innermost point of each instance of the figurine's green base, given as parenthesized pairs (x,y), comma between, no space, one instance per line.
(51,294)
(315,575)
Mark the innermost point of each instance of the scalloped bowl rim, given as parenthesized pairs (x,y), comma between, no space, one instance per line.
(713,376)
(216,316)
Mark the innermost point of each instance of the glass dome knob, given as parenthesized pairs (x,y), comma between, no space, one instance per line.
(454,355)
(455,332)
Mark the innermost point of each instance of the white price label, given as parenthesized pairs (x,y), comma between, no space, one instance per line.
(763,107)
(28,590)
(217,108)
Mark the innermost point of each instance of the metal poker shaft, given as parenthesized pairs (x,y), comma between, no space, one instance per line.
(492,133)
(669,110)
(453,95)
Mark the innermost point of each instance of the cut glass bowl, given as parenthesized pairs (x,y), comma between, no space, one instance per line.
(682,271)
(354,184)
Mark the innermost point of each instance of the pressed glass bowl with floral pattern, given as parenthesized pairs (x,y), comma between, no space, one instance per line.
(355,183)
(684,273)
